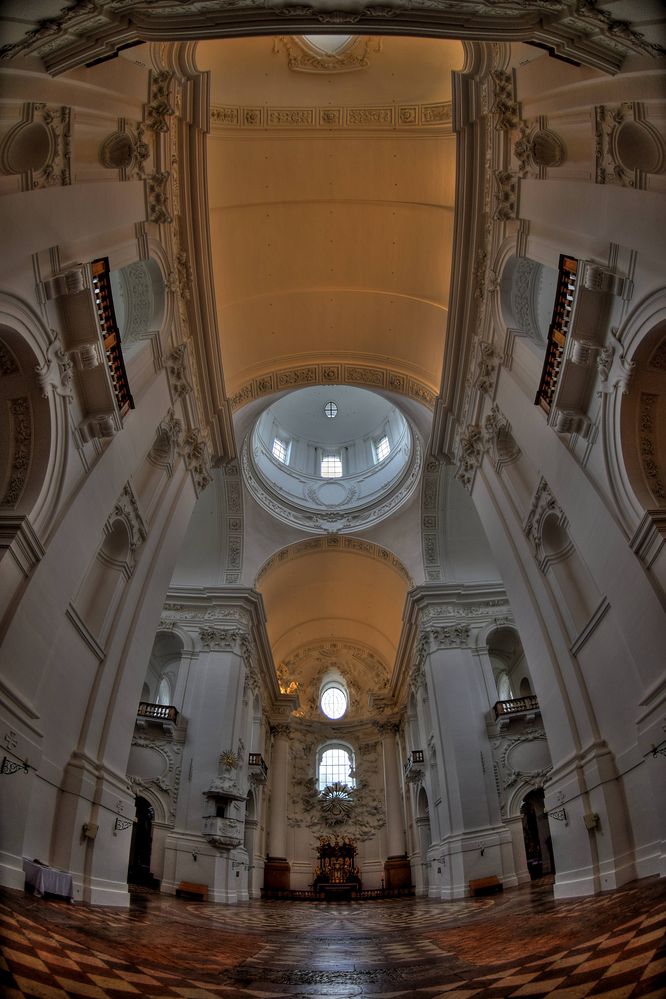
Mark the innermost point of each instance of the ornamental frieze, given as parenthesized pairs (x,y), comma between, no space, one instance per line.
(394,117)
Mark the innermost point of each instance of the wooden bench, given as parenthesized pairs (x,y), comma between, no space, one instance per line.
(191,890)
(485,886)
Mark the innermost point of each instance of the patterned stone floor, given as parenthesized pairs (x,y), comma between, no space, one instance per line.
(520,944)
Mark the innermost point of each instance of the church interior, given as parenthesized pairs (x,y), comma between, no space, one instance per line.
(333,498)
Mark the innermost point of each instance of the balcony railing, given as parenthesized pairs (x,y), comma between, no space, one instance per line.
(101,286)
(415,759)
(516,706)
(558,332)
(158,712)
(258,767)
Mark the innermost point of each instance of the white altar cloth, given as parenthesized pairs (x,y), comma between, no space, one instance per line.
(47,879)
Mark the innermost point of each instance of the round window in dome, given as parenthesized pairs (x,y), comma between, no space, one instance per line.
(331,410)
(334,701)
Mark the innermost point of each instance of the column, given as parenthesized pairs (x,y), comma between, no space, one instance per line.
(397,869)
(207,845)
(276,869)
(475,842)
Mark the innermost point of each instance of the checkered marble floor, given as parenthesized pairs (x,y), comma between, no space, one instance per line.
(522,944)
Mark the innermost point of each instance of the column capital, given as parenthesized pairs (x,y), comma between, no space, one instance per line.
(455,636)
(387,728)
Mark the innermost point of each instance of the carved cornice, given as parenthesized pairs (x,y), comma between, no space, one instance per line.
(88,30)
(332,374)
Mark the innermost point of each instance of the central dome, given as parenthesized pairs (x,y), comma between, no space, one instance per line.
(331,458)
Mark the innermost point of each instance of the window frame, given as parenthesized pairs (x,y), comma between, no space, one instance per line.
(351,757)
(285,446)
(378,443)
(331,456)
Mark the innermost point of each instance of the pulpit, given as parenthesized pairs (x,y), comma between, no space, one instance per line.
(336,876)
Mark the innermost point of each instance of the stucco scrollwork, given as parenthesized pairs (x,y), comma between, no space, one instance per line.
(470,451)
(157,197)
(506,196)
(543,505)
(351,811)
(126,150)
(194,450)
(57,371)
(127,509)
(21,436)
(504,105)
(159,108)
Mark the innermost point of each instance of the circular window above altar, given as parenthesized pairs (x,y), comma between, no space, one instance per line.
(333,701)
(331,458)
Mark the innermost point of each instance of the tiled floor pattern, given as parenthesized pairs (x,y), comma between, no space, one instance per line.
(521,944)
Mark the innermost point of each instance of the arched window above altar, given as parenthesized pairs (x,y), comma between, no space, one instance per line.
(335,766)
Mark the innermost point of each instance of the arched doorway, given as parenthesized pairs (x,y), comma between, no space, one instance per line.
(138,871)
(536,832)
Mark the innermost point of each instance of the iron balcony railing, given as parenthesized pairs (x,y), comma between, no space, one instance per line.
(414,759)
(159,712)
(516,706)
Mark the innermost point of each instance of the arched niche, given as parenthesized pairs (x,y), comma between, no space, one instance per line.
(507,658)
(25,426)
(101,590)
(139,296)
(575,591)
(163,668)
(527,295)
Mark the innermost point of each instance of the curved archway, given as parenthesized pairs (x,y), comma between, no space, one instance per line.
(643,418)
(34,430)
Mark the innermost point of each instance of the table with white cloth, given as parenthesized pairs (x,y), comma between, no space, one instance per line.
(47,879)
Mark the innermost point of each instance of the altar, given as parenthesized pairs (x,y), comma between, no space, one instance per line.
(336,878)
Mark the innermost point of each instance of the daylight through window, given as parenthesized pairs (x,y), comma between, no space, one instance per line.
(382,448)
(280,450)
(335,766)
(331,466)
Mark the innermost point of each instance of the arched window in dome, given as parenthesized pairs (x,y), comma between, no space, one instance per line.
(335,766)
(281,450)
(382,448)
